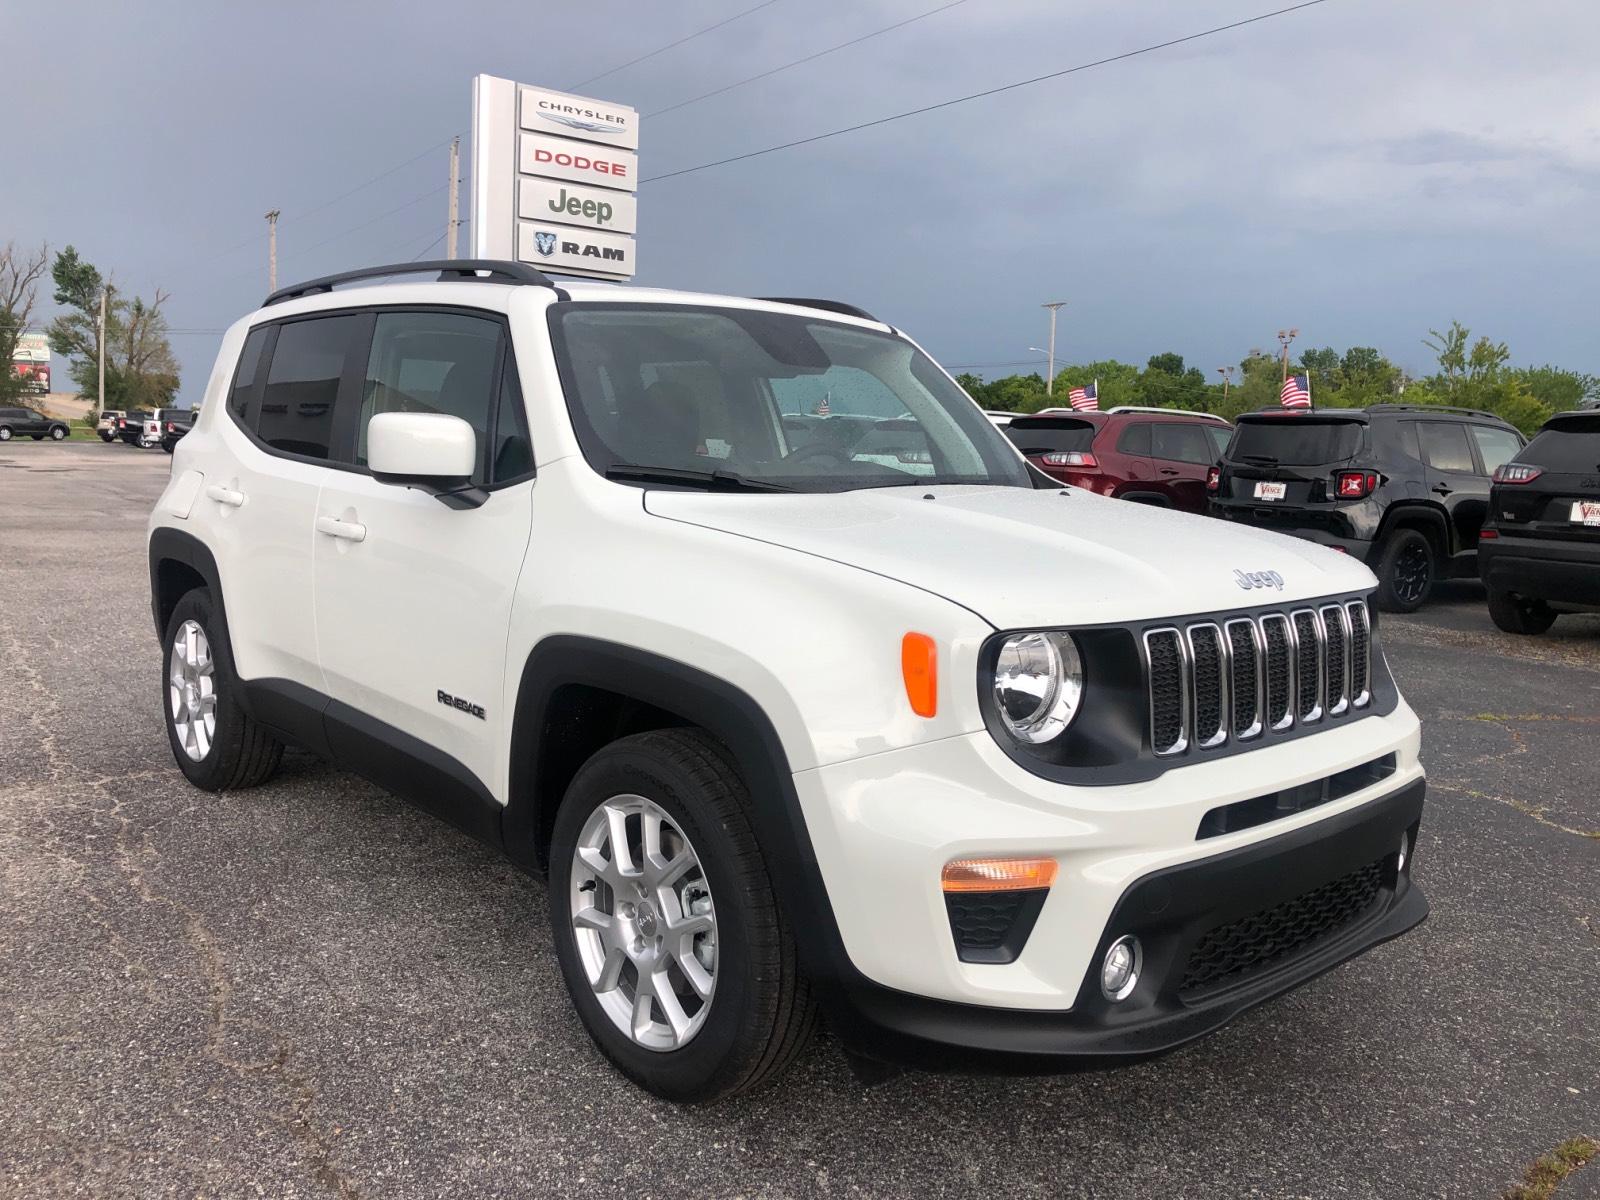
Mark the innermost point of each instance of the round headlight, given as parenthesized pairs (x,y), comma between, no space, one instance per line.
(1038,684)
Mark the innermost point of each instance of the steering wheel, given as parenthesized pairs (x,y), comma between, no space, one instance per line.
(817,450)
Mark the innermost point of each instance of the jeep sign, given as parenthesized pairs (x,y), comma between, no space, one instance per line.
(547,200)
(553,179)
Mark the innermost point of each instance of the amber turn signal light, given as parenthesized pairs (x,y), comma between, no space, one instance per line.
(998,874)
(919,665)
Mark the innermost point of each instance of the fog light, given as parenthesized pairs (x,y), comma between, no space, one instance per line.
(1119,974)
(1404,855)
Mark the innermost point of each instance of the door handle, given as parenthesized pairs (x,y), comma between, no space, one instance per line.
(1441,489)
(351,531)
(222,495)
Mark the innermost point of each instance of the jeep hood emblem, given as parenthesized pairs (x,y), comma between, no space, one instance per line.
(1258,579)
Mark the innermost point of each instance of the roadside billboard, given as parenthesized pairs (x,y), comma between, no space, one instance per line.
(30,362)
(553,179)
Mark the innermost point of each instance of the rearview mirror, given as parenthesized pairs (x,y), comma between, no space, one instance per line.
(433,452)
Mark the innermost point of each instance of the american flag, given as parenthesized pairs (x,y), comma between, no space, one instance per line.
(1296,392)
(1085,399)
(823,407)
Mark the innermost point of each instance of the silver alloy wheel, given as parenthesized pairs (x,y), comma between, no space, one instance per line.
(192,691)
(644,923)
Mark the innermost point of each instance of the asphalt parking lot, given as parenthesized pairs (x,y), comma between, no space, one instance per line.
(312,989)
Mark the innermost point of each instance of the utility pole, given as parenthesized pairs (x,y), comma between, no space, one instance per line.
(272,251)
(1285,336)
(1227,378)
(1050,379)
(455,197)
(100,341)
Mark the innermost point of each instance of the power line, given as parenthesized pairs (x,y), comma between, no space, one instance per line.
(808,58)
(671,45)
(1009,87)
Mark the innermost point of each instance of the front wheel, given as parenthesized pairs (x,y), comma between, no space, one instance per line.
(57,434)
(670,939)
(217,745)
(108,438)
(1405,571)
(5,433)
(1517,614)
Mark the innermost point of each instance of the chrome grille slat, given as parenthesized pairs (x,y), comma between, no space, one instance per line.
(1308,665)
(1235,679)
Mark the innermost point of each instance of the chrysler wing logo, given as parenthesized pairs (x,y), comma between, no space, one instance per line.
(1258,579)
(579,123)
(545,243)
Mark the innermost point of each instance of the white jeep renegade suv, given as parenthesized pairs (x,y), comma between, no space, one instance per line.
(744,625)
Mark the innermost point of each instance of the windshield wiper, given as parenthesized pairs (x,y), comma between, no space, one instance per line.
(713,481)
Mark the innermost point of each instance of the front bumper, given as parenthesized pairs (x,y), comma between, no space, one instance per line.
(882,827)
(1172,912)
(1541,568)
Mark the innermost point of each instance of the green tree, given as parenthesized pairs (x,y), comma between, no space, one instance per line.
(1555,388)
(1473,374)
(1116,383)
(1165,383)
(141,370)
(1323,368)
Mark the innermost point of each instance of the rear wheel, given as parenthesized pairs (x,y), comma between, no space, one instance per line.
(671,942)
(57,434)
(5,433)
(1405,571)
(217,745)
(1519,614)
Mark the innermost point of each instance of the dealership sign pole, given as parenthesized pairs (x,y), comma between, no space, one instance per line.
(553,179)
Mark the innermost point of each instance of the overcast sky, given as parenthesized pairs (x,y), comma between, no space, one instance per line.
(1363,169)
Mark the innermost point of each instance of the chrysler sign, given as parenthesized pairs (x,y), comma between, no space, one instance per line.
(553,179)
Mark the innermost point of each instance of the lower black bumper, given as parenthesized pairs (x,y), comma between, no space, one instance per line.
(1185,917)
(1335,528)
(1541,568)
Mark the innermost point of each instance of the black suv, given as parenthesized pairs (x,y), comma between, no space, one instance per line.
(175,422)
(17,422)
(1541,541)
(1403,487)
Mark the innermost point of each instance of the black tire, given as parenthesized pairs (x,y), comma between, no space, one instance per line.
(5,433)
(1519,614)
(167,446)
(761,1011)
(1407,568)
(242,753)
(58,434)
(108,438)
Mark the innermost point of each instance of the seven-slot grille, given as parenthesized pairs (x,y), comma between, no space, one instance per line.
(1214,681)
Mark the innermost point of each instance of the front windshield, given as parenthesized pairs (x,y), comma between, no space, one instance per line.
(797,403)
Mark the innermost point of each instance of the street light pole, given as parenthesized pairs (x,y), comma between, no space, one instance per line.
(1227,378)
(100,347)
(1285,336)
(453,222)
(272,251)
(1050,379)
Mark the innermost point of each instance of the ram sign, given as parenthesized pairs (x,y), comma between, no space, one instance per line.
(553,179)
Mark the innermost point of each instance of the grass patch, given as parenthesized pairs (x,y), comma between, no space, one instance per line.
(1540,1180)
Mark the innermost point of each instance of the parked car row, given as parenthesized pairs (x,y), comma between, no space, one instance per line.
(165,427)
(1419,493)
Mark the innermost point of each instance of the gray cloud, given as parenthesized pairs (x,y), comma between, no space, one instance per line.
(1363,169)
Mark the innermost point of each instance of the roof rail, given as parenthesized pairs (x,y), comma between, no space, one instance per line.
(838,306)
(485,270)
(1187,412)
(1444,408)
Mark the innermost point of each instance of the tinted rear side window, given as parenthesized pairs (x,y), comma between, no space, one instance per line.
(1444,446)
(1495,446)
(1296,441)
(1558,450)
(297,404)
(1172,442)
(1052,438)
(244,379)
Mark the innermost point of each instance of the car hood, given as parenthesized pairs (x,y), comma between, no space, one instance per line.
(1021,558)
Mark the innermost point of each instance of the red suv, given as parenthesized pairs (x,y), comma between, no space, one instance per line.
(1150,455)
